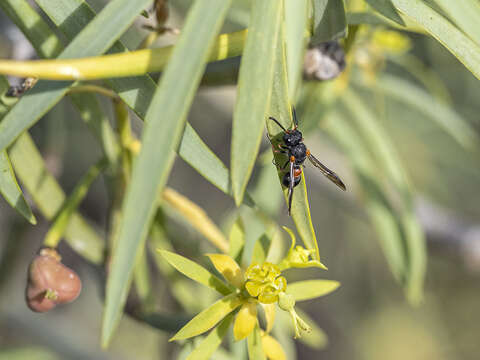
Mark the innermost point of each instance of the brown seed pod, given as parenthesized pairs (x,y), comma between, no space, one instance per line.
(161,11)
(50,282)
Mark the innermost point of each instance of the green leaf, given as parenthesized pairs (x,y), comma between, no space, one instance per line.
(236,239)
(94,39)
(11,191)
(49,197)
(316,338)
(32,25)
(280,109)
(404,248)
(434,109)
(254,89)
(254,343)
(466,14)
(380,144)
(329,21)
(368,18)
(195,272)
(8,183)
(310,289)
(387,9)
(27,352)
(137,93)
(260,249)
(71,204)
(171,101)
(209,317)
(460,45)
(208,346)
(296,13)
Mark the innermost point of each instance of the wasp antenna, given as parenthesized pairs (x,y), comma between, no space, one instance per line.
(295,120)
(276,121)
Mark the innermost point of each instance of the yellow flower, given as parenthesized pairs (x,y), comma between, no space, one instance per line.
(265,282)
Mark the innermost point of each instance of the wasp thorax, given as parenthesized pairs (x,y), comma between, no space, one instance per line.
(299,152)
(50,282)
(292,138)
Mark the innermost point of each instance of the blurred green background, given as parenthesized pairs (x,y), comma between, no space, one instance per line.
(367,318)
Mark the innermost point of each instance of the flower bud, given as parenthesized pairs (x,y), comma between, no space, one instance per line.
(50,282)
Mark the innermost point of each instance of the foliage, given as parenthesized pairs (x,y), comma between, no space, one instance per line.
(272,41)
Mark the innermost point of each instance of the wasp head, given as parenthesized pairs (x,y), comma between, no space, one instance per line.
(292,138)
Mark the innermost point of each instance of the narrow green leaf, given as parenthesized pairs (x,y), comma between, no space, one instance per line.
(434,109)
(49,197)
(368,18)
(316,338)
(398,234)
(195,272)
(466,14)
(94,39)
(32,25)
(11,191)
(71,204)
(236,239)
(310,289)
(27,352)
(208,346)
(281,110)
(171,101)
(254,84)
(254,343)
(260,250)
(387,9)
(137,93)
(329,21)
(9,188)
(296,13)
(460,45)
(209,317)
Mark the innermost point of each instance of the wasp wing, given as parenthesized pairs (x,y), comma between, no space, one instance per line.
(327,172)
(290,187)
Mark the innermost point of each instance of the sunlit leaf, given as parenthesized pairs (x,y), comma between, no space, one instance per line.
(466,14)
(11,191)
(296,14)
(196,217)
(270,312)
(280,109)
(254,89)
(260,250)
(254,343)
(310,289)
(272,348)
(208,346)
(236,240)
(137,91)
(171,101)
(71,203)
(208,318)
(230,270)
(49,197)
(195,272)
(460,45)
(90,41)
(245,321)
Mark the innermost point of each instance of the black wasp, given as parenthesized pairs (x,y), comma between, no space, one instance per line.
(297,152)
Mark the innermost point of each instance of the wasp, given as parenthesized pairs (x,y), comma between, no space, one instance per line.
(297,152)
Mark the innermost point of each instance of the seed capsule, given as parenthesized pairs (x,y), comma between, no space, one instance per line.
(50,282)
